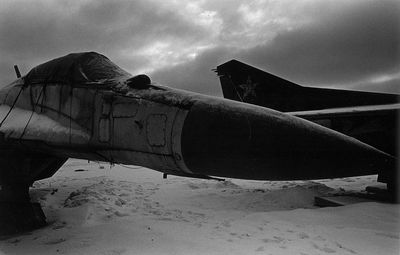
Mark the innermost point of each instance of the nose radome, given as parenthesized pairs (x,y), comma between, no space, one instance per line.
(232,139)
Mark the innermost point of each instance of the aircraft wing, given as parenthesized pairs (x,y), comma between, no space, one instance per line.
(372,110)
(27,139)
(375,125)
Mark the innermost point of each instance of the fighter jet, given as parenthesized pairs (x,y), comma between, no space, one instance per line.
(367,116)
(84,106)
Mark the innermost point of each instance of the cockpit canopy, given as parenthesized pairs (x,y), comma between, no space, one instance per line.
(76,68)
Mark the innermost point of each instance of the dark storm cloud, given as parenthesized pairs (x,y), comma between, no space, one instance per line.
(326,43)
(348,45)
(35,31)
(340,47)
(136,23)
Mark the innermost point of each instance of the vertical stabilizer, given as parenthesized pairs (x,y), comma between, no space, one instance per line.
(242,82)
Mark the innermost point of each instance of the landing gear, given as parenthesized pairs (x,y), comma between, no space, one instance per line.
(393,190)
(17,213)
(390,176)
(18,170)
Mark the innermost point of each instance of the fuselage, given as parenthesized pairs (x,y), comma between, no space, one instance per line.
(173,131)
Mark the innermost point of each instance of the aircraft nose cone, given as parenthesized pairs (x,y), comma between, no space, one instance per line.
(231,139)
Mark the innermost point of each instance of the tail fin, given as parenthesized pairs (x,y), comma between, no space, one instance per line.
(242,82)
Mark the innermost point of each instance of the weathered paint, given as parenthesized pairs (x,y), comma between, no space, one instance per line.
(97,116)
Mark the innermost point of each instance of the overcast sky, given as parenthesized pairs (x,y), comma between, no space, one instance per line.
(334,43)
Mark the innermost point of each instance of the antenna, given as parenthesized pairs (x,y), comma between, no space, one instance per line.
(17,71)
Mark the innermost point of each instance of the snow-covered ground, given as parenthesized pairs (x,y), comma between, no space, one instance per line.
(94,209)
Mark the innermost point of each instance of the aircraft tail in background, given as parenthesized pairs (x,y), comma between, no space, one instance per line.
(242,82)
